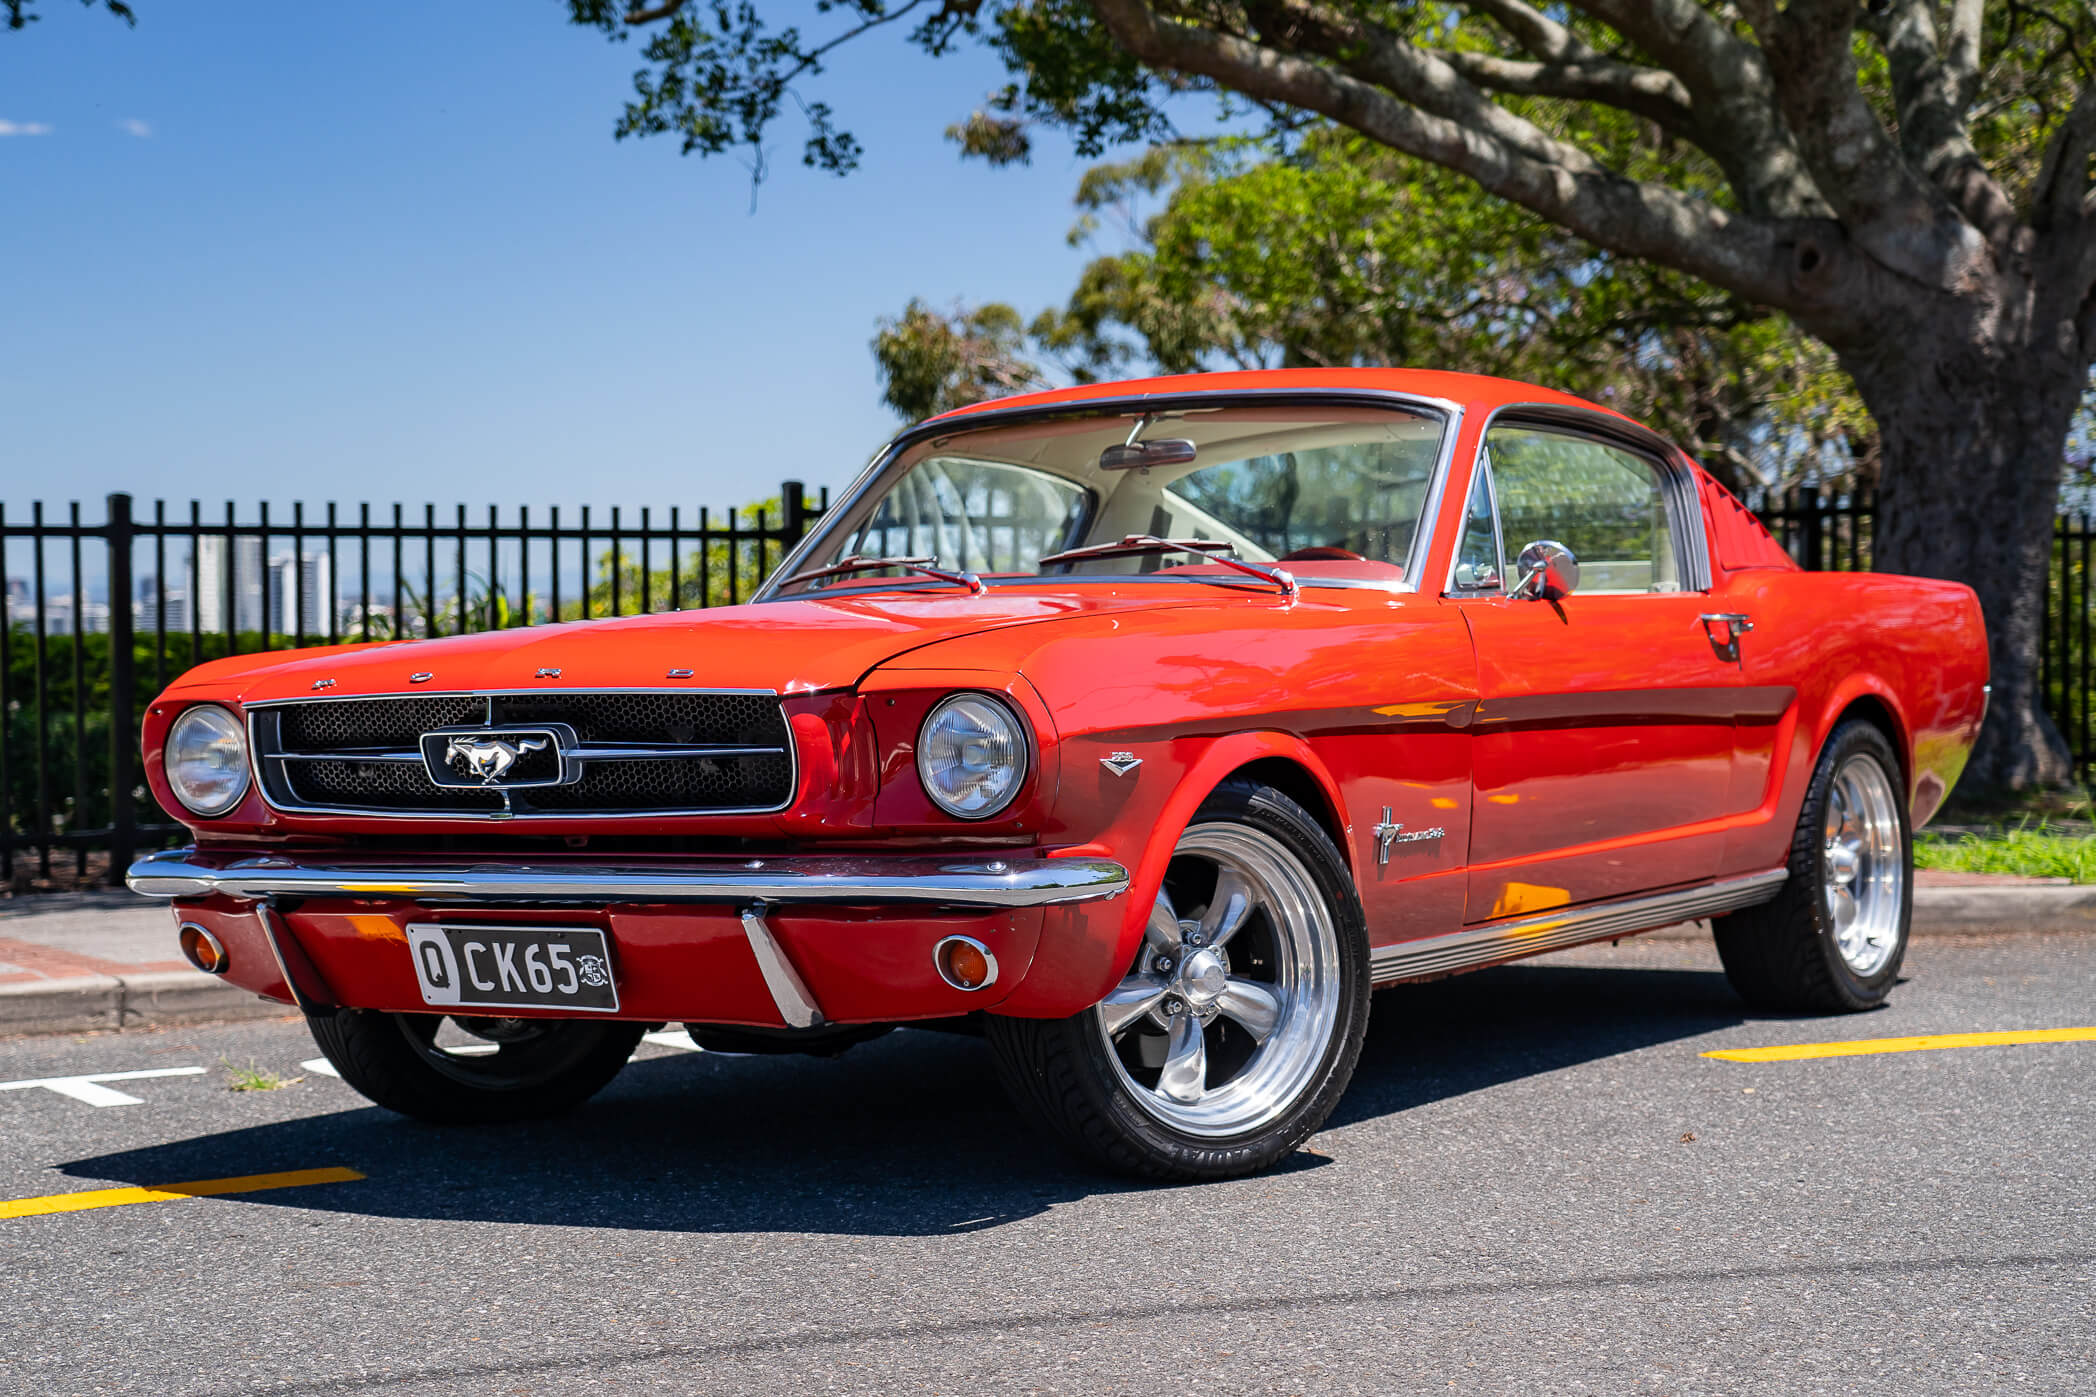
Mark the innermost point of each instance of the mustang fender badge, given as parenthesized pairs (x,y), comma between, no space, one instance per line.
(490,758)
(1387,834)
(1121,763)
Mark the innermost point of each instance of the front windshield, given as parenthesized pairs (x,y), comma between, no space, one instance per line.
(1331,492)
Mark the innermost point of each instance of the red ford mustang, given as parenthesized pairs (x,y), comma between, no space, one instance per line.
(1146,725)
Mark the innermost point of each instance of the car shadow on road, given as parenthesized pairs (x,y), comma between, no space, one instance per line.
(909,1135)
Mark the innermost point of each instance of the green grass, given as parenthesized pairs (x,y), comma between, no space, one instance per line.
(253,1078)
(2027,851)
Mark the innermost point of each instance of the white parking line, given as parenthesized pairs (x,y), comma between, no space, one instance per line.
(672,1038)
(88,1090)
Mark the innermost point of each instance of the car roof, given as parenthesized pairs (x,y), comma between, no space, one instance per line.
(1471,390)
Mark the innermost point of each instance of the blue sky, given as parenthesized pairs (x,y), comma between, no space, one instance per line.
(392,252)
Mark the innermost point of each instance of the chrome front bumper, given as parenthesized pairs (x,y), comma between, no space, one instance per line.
(975,881)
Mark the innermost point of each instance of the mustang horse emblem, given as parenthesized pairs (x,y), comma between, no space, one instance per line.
(489,758)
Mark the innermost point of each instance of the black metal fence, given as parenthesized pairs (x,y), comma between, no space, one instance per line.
(1834,532)
(175,591)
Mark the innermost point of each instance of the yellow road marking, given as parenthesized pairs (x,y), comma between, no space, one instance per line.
(1923,1043)
(161,1193)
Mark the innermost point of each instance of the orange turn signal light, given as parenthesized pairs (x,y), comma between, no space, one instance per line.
(964,962)
(203,950)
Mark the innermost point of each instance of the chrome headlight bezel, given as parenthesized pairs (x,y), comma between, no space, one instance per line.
(212,735)
(992,714)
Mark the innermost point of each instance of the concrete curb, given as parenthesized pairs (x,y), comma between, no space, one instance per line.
(168,998)
(149,999)
(1968,911)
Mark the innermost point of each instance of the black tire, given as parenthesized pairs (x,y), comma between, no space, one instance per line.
(1062,1072)
(541,1067)
(1782,955)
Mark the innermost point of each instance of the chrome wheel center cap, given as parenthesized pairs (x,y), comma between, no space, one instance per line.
(1202,978)
(1842,864)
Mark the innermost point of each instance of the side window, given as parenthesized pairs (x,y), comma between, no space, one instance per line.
(1608,505)
(1477,554)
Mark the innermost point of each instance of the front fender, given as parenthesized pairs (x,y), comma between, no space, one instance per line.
(1086,949)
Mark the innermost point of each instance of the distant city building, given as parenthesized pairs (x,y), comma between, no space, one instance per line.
(301,590)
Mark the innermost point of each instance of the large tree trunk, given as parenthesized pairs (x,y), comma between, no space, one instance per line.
(1973,416)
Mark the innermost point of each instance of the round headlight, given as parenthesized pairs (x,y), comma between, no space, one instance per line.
(971,756)
(207,760)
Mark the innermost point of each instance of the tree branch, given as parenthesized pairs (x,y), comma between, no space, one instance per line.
(1932,130)
(1540,35)
(1729,84)
(1436,116)
(2063,177)
(1652,93)
(648,14)
(1961,57)
(1891,214)
(1424,77)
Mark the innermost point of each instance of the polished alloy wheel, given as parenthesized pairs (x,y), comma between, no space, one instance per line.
(1227,1012)
(1863,879)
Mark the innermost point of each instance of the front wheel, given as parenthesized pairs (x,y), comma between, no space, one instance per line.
(1832,940)
(1239,1021)
(473,1070)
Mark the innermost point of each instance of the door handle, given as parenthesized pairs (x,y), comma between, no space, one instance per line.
(1737,624)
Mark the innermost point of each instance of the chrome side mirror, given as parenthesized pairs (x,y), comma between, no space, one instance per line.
(1547,572)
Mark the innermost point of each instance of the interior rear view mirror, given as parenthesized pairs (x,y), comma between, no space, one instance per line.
(1165,451)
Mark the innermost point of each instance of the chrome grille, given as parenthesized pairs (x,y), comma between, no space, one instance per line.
(633,753)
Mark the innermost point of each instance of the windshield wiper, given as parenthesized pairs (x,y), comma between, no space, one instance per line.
(859,562)
(1214,550)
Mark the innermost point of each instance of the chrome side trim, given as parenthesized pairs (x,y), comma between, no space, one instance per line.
(1550,931)
(795,1001)
(1450,410)
(959,882)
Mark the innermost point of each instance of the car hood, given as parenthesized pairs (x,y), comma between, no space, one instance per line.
(799,646)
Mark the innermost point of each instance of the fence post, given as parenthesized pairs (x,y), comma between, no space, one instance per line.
(123,730)
(1815,534)
(793,497)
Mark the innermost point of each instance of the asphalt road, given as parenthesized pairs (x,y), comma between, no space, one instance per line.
(1536,1185)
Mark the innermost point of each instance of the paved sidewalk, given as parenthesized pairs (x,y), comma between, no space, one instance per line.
(81,962)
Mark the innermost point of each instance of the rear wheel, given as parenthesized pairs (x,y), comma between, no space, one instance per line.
(1240,1018)
(468,1069)
(1832,940)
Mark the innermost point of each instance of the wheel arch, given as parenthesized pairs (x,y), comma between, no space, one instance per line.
(1311,790)
(1278,759)
(1872,703)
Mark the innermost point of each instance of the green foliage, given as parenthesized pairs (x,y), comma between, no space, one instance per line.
(719,73)
(2026,851)
(716,575)
(931,363)
(1345,254)
(58,735)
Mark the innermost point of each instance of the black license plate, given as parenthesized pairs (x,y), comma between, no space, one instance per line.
(513,967)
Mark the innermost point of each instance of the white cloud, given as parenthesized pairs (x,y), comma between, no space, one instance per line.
(24,128)
(135,127)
